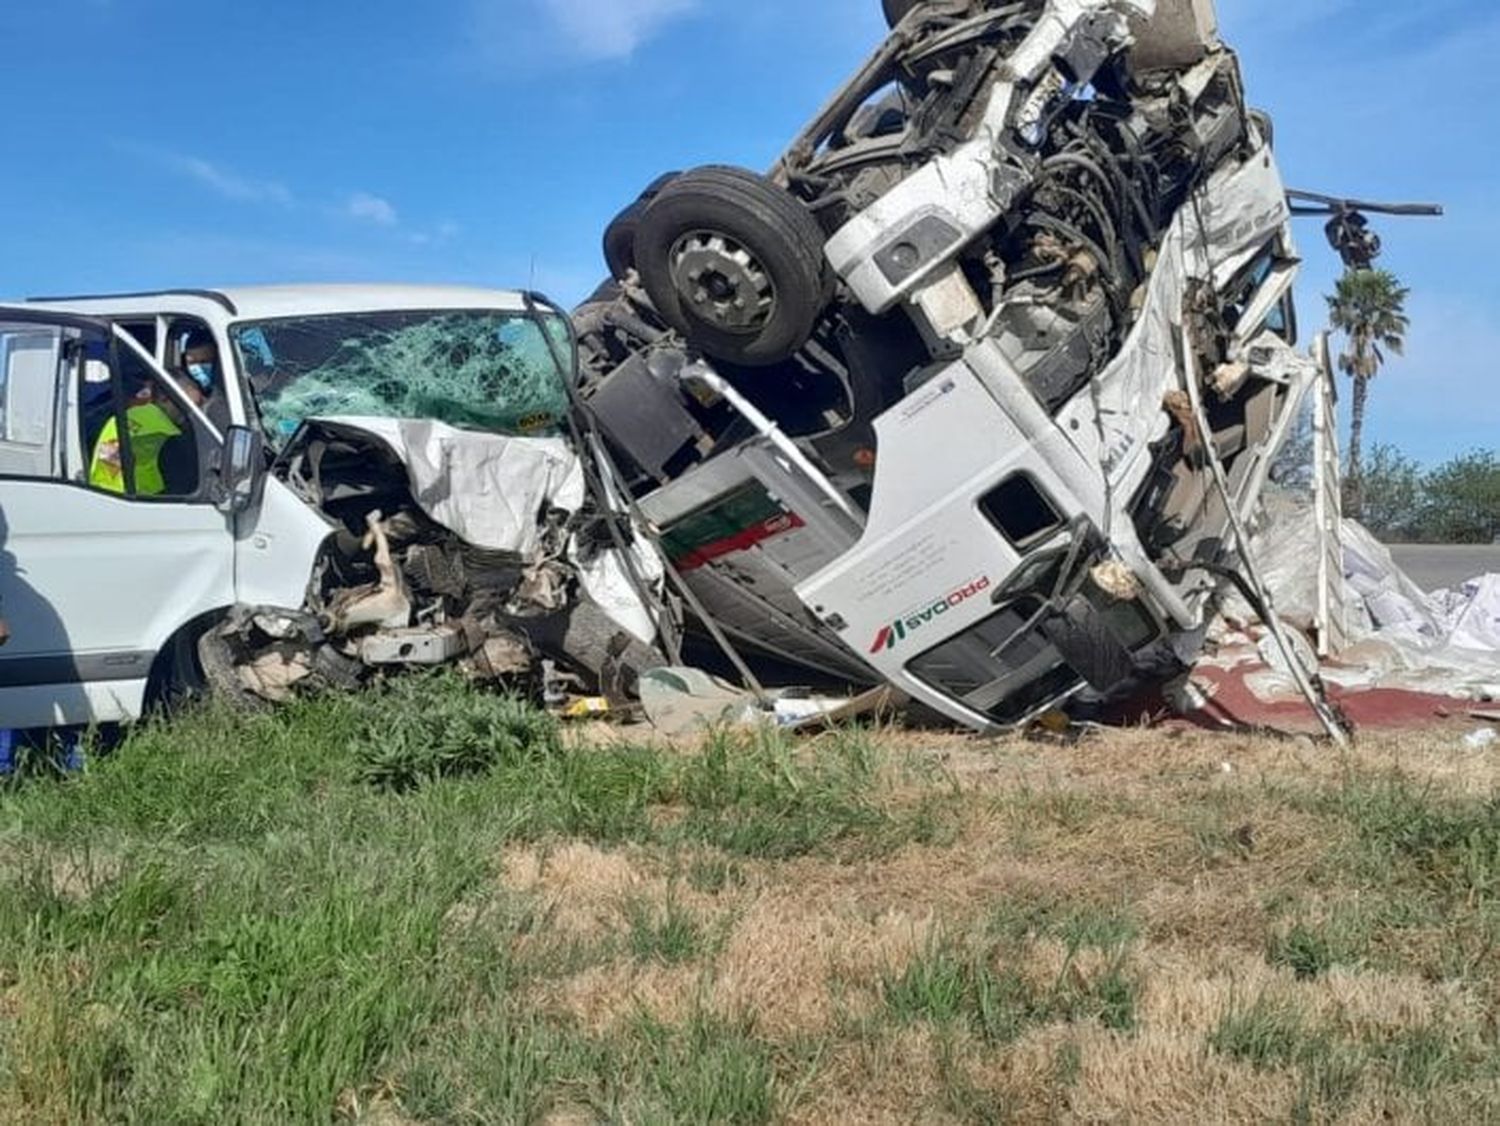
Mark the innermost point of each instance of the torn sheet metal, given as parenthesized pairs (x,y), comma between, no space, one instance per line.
(451,547)
(608,582)
(985,394)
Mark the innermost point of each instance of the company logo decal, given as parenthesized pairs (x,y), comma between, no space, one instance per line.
(898,631)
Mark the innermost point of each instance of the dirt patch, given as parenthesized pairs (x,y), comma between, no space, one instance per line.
(792,966)
(584,890)
(1167,1076)
(881,1082)
(74,874)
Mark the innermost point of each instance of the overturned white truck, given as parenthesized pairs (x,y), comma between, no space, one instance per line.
(970,392)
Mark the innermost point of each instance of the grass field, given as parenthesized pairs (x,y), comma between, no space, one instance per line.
(431,906)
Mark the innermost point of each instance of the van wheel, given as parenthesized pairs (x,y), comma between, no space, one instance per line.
(217,659)
(177,680)
(735,264)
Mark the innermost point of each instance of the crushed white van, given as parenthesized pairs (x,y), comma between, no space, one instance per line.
(378,477)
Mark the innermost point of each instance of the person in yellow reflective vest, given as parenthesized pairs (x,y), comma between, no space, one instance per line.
(161,446)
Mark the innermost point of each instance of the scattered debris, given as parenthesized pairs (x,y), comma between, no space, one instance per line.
(684,701)
(971,402)
(478,550)
(1482,739)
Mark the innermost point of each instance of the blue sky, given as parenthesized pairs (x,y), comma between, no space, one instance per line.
(203,142)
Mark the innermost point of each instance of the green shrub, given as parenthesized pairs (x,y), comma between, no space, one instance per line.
(421,729)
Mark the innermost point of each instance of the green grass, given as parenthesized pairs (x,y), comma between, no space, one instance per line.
(668,934)
(1311,950)
(1273,1034)
(411,735)
(1401,831)
(750,795)
(973,980)
(241,918)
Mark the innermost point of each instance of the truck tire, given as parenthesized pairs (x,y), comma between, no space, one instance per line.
(619,236)
(1090,649)
(735,264)
(898,10)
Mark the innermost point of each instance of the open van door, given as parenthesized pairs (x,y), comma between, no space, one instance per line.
(99,576)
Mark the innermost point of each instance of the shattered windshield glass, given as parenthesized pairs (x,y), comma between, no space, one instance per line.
(479,370)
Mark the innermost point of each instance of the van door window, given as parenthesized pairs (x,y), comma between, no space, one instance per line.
(141,439)
(30,360)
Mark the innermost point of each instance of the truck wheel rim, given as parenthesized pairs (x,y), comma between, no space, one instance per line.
(722,283)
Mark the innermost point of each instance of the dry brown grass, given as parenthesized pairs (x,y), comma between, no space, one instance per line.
(1209,845)
(1164,865)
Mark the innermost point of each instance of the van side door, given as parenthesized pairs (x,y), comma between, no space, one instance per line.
(98,574)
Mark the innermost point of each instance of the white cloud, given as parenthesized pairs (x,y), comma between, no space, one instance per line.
(226,183)
(548,30)
(439,235)
(611,29)
(369,208)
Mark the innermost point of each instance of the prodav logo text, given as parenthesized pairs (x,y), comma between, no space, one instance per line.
(898,631)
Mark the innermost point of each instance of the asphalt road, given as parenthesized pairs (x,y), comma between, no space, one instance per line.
(1447,566)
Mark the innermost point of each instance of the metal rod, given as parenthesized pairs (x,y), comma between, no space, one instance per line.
(1249,580)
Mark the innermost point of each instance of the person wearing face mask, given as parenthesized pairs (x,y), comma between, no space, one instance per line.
(200,360)
(161,439)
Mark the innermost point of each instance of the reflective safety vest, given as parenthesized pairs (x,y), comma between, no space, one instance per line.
(150,429)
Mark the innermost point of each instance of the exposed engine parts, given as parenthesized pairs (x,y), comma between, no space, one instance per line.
(411,592)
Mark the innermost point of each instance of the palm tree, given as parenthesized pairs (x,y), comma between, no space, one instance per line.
(1369,308)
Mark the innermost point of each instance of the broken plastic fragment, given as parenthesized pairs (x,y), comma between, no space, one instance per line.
(1116,580)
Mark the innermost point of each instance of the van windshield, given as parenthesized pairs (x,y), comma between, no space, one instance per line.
(479,370)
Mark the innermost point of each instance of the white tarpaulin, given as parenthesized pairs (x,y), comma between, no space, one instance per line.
(1446,644)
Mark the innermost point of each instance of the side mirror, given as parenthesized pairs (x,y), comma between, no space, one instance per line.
(242,467)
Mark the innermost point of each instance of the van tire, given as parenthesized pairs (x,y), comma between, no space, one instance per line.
(176,680)
(735,264)
(217,660)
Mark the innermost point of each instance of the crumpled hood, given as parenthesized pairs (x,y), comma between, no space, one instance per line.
(487,489)
(490,490)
